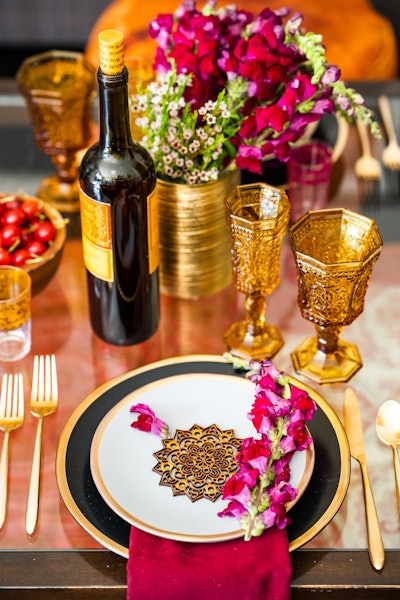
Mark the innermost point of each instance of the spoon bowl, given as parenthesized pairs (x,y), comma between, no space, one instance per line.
(388,430)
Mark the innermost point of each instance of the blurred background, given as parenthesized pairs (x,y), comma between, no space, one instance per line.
(28,27)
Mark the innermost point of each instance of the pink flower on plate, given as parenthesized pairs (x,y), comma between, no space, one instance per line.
(147,421)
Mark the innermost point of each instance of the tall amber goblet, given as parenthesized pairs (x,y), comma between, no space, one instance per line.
(57,87)
(257,216)
(335,251)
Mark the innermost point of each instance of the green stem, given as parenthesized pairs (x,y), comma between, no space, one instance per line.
(263,485)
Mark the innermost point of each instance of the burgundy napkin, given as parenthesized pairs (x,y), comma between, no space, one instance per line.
(161,569)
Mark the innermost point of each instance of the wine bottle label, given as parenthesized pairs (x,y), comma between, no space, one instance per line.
(152,231)
(96,237)
(111,51)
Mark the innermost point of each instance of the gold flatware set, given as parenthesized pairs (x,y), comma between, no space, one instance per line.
(43,402)
(367,167)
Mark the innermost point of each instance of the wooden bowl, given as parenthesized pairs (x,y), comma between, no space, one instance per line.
(43,270)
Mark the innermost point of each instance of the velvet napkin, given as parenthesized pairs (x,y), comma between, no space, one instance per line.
(162,569)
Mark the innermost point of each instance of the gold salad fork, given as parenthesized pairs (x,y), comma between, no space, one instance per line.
(11,417)
(390,154)
(44,400)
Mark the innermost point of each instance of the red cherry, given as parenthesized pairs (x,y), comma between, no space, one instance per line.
(9,235)
(15,202)
(20,257)
(30,207)
(45,231)
(35,247)
(13,216)
(5,257)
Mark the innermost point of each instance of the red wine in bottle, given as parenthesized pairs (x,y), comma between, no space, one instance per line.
(118,206)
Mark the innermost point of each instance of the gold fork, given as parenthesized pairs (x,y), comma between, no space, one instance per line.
(367,167)
(390,154)
(11,417)
(44,399)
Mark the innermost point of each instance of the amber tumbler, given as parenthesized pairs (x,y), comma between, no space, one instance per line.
(335,251)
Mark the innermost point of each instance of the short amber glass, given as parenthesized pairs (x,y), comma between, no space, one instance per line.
(335,251)
(57,87)
(257,216)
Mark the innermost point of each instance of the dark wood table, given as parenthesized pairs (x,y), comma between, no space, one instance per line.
(62,560)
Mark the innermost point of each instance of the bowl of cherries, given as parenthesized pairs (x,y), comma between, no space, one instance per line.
(32,237)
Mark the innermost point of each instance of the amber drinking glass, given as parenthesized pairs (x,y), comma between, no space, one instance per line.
(57,87)
(257,216)
(335,251)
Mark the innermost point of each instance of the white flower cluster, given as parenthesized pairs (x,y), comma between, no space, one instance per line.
(187,146)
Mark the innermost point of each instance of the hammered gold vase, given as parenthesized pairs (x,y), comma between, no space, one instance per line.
(335,251)
(194,237)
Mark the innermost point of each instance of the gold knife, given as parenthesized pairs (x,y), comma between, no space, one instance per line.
(353,427)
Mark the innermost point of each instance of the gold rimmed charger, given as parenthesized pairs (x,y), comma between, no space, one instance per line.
(318,505)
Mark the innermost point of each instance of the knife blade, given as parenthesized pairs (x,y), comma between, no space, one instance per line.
(353,428)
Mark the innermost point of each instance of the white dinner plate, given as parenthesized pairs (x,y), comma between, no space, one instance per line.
(122,458)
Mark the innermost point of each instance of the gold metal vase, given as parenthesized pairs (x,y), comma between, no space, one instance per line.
(194,237)
(257,216)
(335,251)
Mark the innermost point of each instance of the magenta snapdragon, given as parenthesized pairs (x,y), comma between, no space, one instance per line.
(258,493)
(275,78)
(147,421)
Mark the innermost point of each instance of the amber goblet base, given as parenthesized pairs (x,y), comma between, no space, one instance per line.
(337,366)
(253,338)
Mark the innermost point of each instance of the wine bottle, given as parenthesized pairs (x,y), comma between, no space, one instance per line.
(118,206)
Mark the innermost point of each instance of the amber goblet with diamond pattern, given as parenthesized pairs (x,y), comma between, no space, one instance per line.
(257,216)
(335,251)
(57,87)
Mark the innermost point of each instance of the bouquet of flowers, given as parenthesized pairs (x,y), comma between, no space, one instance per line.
(232,90)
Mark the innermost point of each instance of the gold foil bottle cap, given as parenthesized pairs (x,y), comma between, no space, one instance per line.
(111,51)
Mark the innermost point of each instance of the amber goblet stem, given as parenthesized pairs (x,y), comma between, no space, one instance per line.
(328,338)
(66,166)
(254,308)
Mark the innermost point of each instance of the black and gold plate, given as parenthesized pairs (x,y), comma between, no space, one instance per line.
(313,511)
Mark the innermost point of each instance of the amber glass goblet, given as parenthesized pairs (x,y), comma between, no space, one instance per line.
(335,251)
(57,87)
(257,216)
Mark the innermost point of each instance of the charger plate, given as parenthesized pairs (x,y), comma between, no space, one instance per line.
(122,459)
(318,504)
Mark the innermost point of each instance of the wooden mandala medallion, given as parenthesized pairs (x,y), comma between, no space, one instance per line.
(197,462)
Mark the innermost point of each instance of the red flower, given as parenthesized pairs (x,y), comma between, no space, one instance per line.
(147,421)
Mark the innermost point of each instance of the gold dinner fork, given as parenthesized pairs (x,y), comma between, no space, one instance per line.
(44,400)
(11,417)
(390,154)
(368,170)
(367,167)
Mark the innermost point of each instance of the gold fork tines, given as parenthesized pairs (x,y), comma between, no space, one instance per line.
(11,417)
(44,399)
(367,167)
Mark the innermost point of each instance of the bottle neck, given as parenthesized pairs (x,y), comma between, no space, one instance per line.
(115,132)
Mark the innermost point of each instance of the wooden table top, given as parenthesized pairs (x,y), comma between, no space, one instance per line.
(62,559)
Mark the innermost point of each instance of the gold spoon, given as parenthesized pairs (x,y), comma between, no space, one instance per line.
(388,430)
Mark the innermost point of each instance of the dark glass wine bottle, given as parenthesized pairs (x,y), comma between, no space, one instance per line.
(119,214)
